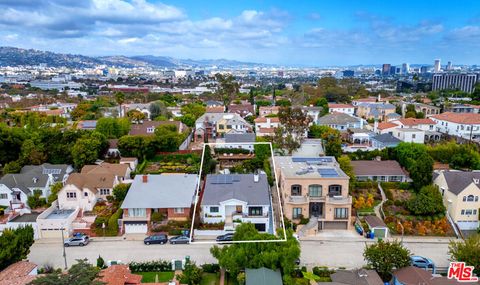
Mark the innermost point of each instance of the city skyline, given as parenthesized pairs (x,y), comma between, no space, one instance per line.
(312,34)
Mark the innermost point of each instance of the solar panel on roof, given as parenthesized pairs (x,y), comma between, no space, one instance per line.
(51,171)
(222,179)
(328,172)
(311,159)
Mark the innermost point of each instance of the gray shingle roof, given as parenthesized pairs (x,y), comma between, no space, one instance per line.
(262,276)
(161,191)
(240,138)
(386,138)
(377,168)
(241,187)
(337,119)
(458,180)
(32,176)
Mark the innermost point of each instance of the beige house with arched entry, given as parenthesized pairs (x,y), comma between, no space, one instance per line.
(315,188)
(461,196)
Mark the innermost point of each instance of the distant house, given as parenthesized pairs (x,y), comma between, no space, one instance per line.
(244,109)
(465,125)
(140,107)
(410,135)
(412,275)
(169,194)
(119,274)
(378,111)
(461,192)
(244,141)
(384,140)
(264,111)
(230,198)
(384,128)
(341,108)
(313,112)
(262,276)
(266,126)
(216,125)
(15,188)
(19,273)
(463,108)
(427,110)
(217,109)
(121,171)
(87,125)
(213,103)
(340,121)
(379,170)
(356,277)
(147,128)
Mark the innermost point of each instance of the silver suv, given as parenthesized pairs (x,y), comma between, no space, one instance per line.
(80,241)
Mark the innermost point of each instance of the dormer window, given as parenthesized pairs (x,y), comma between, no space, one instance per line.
(150,130)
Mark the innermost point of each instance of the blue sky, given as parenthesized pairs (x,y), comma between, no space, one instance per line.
(313,33)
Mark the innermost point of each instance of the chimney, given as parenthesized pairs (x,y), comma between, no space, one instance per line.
(145,178)
(375,126)
(256,177)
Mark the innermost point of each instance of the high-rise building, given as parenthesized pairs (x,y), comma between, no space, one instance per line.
(348,73)
(405,68)
(423,70)
(449,65)
(464,82)
(394,70)
(436,66)
(386,69)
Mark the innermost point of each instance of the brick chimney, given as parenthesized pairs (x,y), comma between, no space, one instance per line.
(145,178)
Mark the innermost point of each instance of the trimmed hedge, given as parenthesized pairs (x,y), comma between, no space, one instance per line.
(232,150)
(210,267)
(150,266)
(112,226)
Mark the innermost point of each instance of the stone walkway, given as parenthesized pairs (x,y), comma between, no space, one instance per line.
(378,208)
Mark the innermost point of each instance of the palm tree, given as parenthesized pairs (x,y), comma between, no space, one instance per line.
(120,98)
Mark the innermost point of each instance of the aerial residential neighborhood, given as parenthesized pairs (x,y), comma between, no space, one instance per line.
(239,143)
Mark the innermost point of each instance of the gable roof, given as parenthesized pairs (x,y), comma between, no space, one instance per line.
(92,181)
(262,276)
(386,125)
(265,119)
(119,275)
(457,181)
(377,168)
(106,168)
(416,122)
(334,105)
(141,129)
(18,273)
(386,138)
(357,277)
(459,118)
(337,119)
(161,191)
(412,275)
(223,187)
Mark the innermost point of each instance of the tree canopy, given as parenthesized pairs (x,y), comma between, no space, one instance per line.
(15,245)
(81,273)
(385,256)
(428,201)
(294,126)
(467,251)
(272,255)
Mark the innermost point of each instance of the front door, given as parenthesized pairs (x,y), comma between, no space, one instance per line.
(239,209)
(316,209)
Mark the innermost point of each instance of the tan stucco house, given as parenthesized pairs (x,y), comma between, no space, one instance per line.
(314,187)
(460,191)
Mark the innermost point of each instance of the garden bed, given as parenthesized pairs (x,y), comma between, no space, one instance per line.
(365,197)
(173,163)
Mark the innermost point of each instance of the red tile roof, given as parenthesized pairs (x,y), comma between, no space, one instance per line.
(264,120)
(415,122)
(17,273)
(459,118)
(386,125)
(217,109)
(119,275)
(332,105)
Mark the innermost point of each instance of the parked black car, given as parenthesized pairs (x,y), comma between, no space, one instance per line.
(225,237)
(153,239)
(179,239)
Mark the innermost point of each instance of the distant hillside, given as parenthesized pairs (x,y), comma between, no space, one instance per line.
(11,56)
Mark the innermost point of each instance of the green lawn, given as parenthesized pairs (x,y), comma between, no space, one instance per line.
(149,277)
(210,279)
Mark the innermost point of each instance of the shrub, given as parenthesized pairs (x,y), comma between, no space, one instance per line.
(304,221)
(101,262)
(211,267)
(322,271)
(112,226)
(110,198)
(157,217)
(149,266)
(398,203)
(232,150)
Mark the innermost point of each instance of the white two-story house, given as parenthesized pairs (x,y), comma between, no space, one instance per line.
(237,198)
(465,125)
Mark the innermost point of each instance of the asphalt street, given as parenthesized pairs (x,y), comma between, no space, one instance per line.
(327,253)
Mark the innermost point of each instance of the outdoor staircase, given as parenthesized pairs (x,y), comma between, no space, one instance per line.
(312,224)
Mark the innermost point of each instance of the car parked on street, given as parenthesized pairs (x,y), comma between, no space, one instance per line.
(422,262)
(225,237)
(180,239)
(77,241)
(156,239)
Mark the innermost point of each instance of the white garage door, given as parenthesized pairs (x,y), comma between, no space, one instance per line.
(136,228)
(468,225)
(52,234)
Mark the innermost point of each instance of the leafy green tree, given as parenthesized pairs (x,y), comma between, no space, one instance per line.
(120,99)
(416,160)
(35,201)
(11,140)
(345,164)
(188,120)
(81,273)
(88,149)
(467,250)
(12,167)
(228,88)
(141,147)
(191,275)
(273,255)
(193,109)
(112,127)
(167,138)
(54,189)
(120,191)
(385,256)
(294,125)
(209,163)
(331,139)
(15,245)
(136,116)
(428,201)
(33,151)
(158,108)
(101,262)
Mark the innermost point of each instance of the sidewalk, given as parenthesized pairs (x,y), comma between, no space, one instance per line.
(346,237)
(137,237)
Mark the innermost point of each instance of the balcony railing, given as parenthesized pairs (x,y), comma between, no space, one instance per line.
(297,199)
(340,200)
